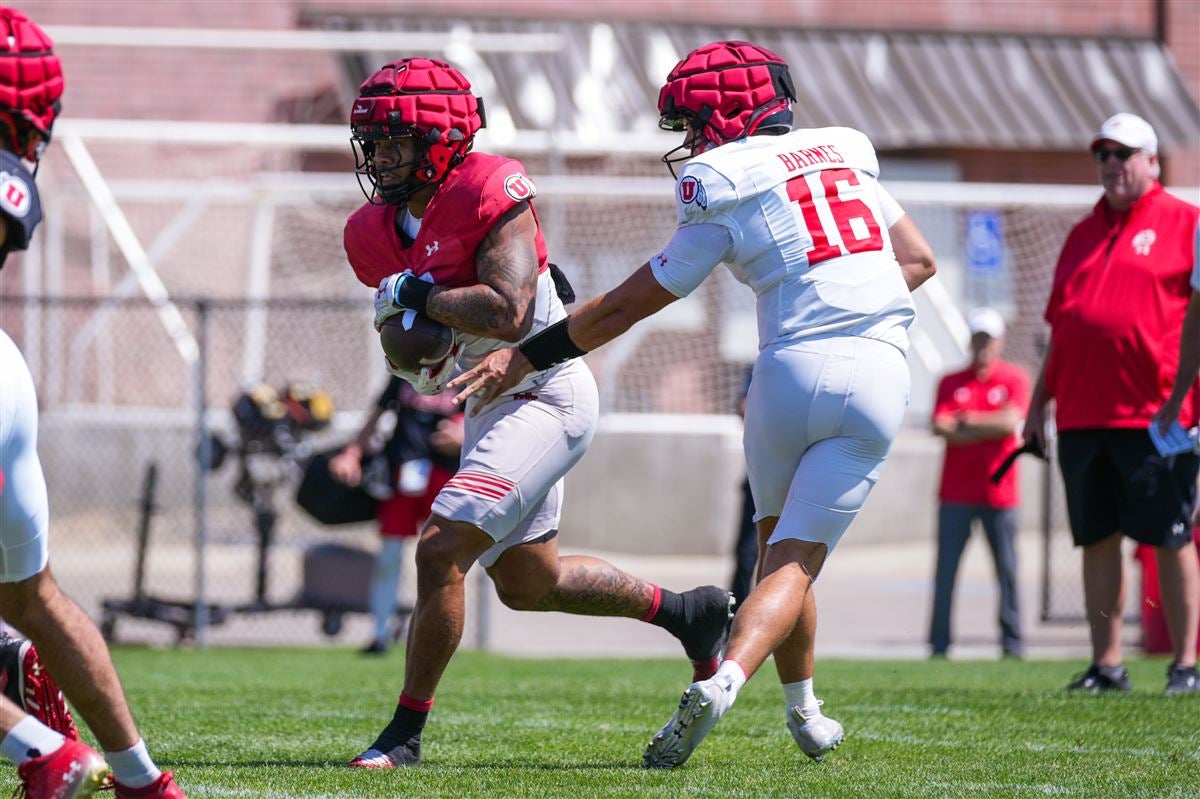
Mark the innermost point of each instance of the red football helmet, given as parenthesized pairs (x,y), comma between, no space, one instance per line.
(725,91)
(31,83)
(423,99)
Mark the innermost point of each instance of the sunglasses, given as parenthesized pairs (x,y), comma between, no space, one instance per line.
(1123,154)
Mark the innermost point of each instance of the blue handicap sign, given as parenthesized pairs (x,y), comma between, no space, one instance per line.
(985,241)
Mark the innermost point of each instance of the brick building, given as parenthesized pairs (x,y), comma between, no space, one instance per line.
(106,82)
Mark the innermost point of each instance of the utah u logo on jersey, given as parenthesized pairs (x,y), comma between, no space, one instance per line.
(691,190)
(14,195)
(519,187)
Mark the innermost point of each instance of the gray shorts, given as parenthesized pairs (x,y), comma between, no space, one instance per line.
(24,508)
(821,416)
(515,454)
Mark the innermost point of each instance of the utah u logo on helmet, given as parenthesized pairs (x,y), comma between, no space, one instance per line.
(31,83)
(425,100)
(725,91)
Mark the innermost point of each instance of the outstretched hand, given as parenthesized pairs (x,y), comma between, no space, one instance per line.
(498,373)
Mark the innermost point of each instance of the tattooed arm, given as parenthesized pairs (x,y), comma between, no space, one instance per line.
(501,305)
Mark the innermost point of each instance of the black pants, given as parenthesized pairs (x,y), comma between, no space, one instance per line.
(1116,481)
(745,550)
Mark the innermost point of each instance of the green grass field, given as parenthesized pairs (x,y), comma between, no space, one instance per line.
(281,723)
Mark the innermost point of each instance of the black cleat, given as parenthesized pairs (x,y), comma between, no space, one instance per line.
(1095,681)
(399,756)
(706,612)
(1182,680)
(376,647)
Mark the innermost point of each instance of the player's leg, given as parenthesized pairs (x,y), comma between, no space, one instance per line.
(513,452)
(954,528)
(67,641)
(1000,527)
(445,553)
(74,652)
(50,766)
(532,576)
(774,444)
(857,408)
(849,397)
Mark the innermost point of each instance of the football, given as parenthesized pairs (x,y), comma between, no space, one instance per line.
(411,340)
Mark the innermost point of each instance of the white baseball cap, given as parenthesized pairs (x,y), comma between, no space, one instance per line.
(985,320)
(1130,130)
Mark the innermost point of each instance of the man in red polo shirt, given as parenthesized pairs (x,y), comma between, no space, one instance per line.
(978,411)
(1118,302)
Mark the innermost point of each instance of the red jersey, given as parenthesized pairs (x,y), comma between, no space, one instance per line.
(967,468)
(1120,293)
(464,209)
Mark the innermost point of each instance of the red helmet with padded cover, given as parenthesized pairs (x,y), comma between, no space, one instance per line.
(420,98)
(31,83)
(725,91)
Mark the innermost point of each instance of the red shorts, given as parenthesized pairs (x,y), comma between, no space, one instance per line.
(403,515)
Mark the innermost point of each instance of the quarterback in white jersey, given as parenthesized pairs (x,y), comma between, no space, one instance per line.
(799,217)
(802,220)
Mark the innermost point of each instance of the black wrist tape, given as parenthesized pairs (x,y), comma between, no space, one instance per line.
(551,347)
(414,294)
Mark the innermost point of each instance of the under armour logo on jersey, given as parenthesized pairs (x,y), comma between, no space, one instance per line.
(661,259)
(691,190)
(430,249)
(1143,241)
(14,195)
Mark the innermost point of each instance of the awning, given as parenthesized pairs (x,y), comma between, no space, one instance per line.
(904,89)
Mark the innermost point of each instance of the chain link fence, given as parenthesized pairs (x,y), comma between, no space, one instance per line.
(140,532)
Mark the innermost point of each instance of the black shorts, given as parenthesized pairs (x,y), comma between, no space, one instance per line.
(1117,482)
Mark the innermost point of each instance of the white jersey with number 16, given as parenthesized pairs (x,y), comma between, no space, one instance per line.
(801,219)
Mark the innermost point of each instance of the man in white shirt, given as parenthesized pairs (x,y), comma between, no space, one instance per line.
(800,217)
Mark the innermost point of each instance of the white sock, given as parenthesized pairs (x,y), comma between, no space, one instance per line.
(133,767)
(731,674)
(799,694)
(28,739)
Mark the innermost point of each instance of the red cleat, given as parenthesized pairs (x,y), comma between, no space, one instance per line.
(25,681)
(162,788)
(73,771)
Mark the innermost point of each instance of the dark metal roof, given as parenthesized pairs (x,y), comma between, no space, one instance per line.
(904,89)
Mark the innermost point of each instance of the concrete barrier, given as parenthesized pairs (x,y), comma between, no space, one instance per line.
(650,484)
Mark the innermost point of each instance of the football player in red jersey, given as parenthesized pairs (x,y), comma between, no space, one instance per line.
(39,735)
(454,235)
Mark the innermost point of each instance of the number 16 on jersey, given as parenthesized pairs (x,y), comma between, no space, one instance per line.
(838,225)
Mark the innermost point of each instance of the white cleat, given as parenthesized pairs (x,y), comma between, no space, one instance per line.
(816,734)
(701,708)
